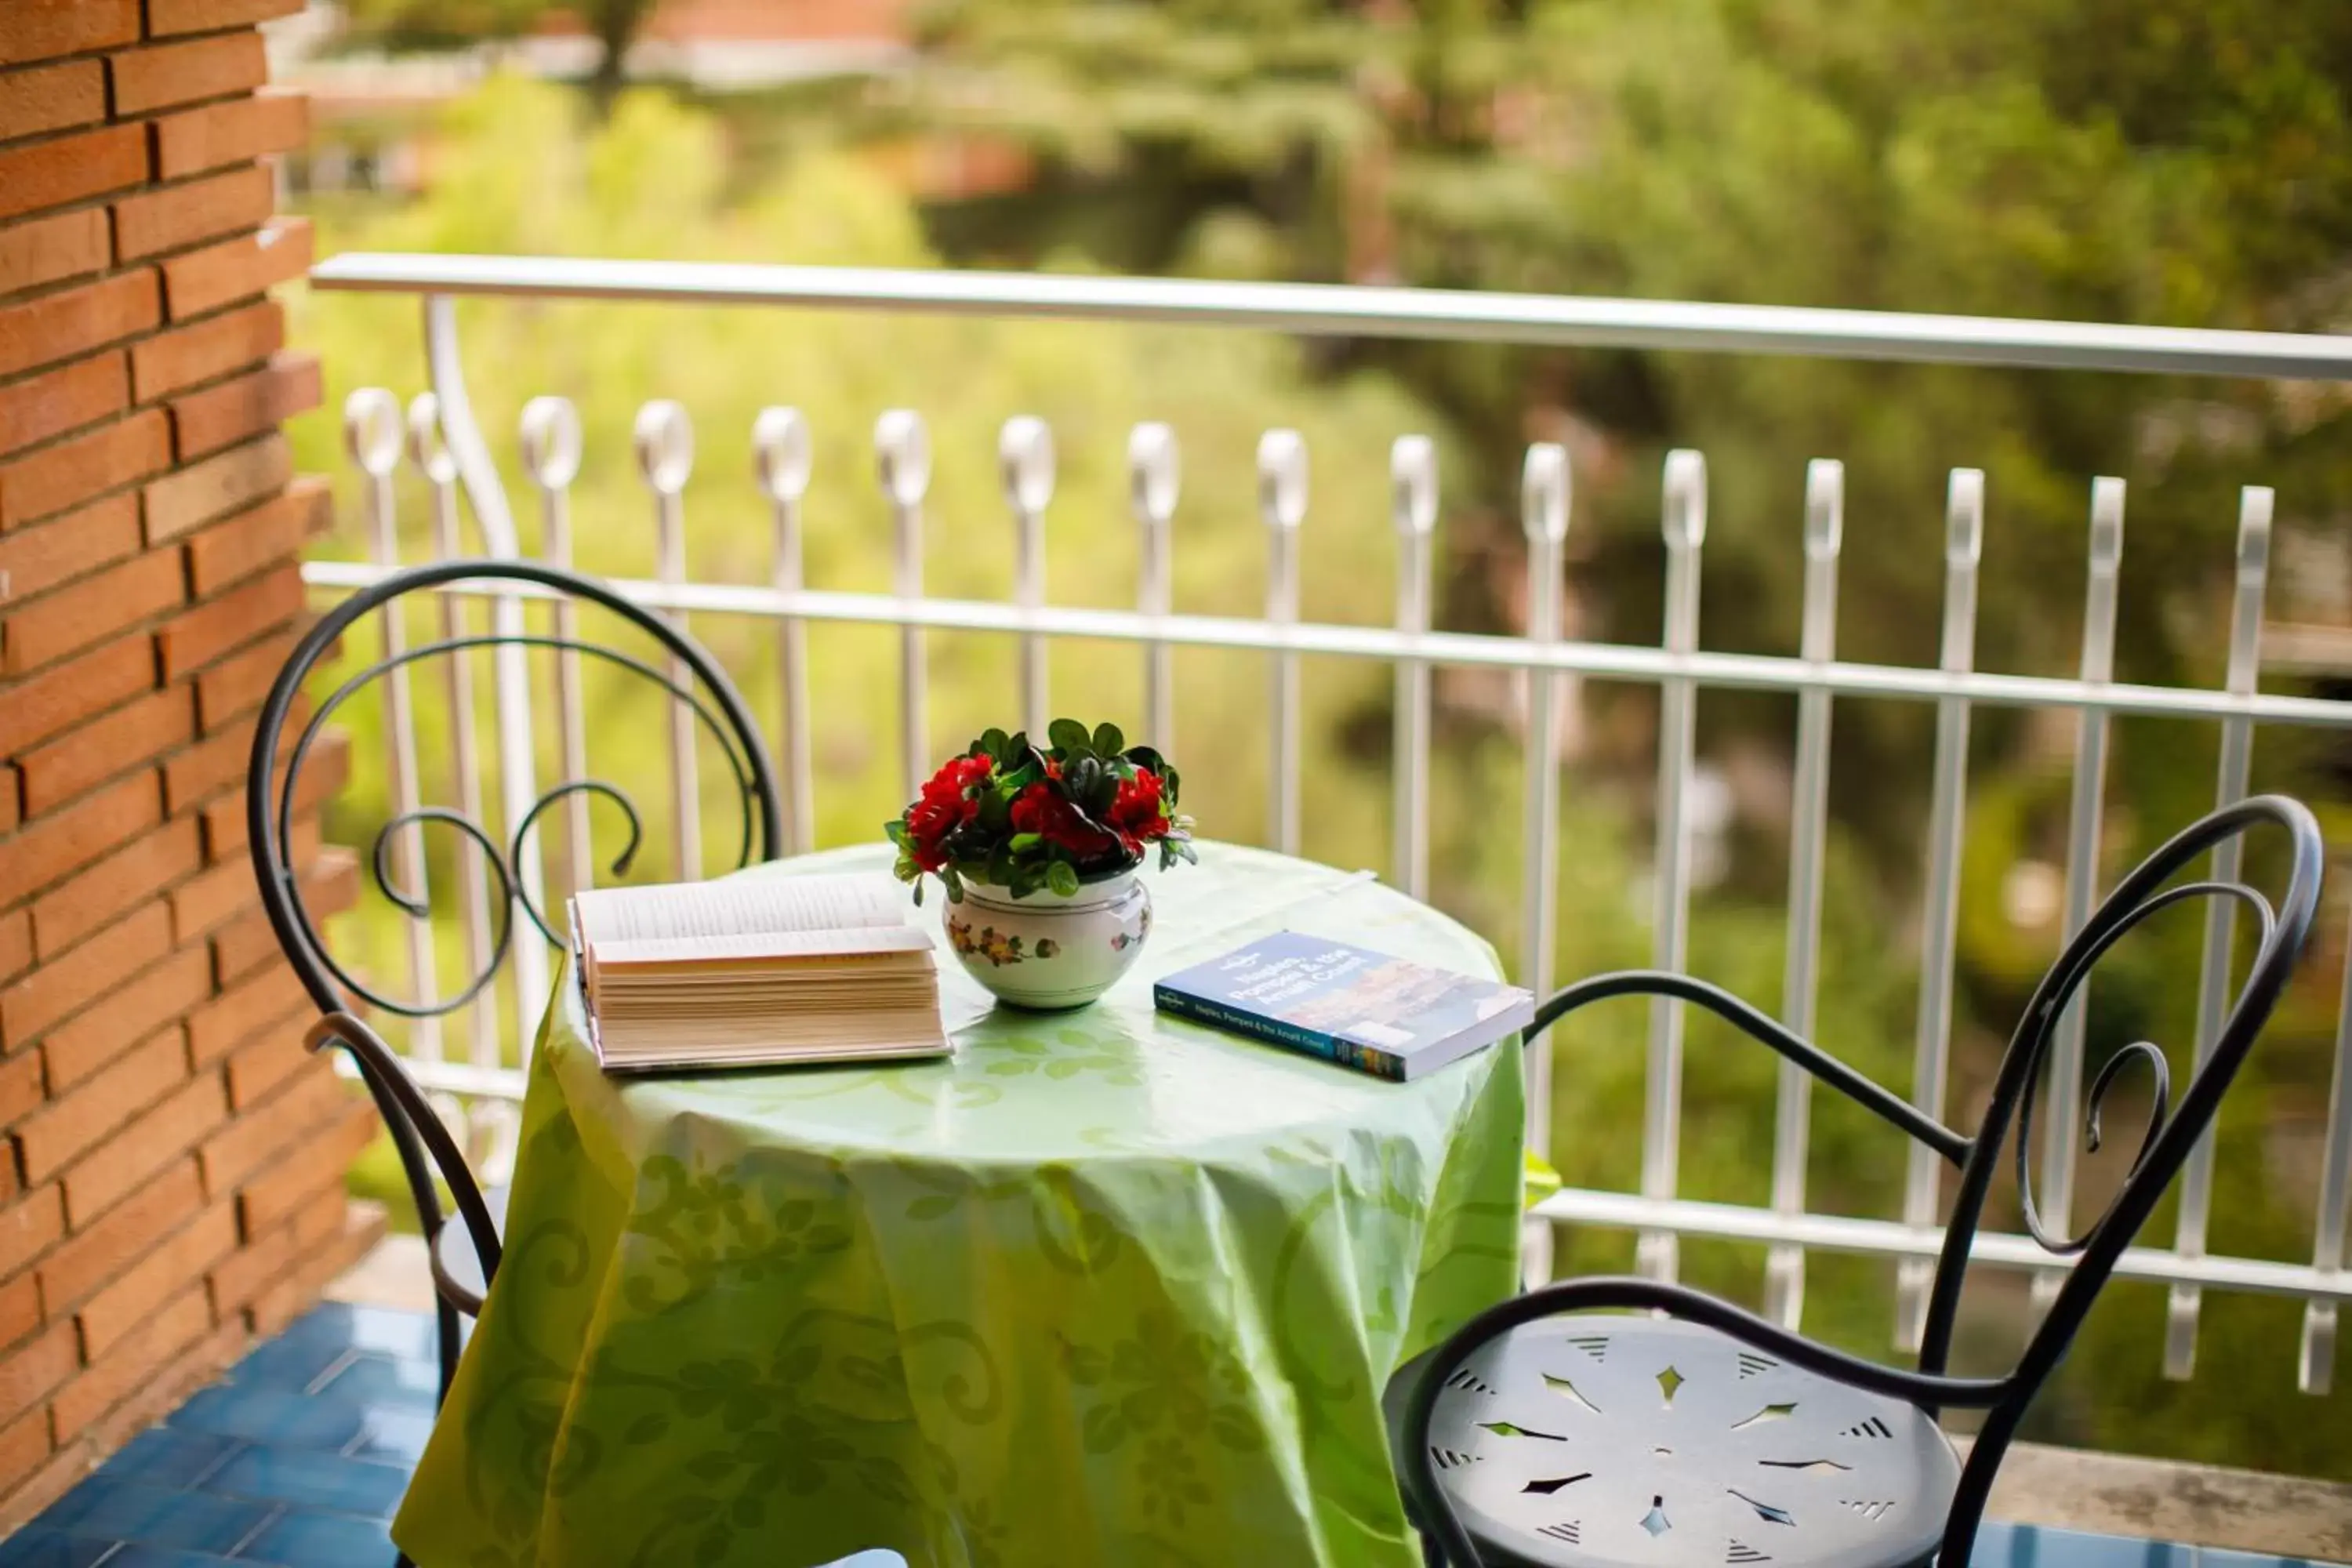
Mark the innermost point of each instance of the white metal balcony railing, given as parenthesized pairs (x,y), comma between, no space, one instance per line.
(452,453)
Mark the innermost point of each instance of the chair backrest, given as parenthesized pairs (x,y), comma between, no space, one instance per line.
(693,680)
(2173,1127)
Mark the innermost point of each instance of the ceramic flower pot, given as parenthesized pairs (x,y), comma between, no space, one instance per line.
(1050,951)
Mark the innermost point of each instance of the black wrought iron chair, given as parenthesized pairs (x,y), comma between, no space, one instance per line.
(1713,1436)
(464,1257)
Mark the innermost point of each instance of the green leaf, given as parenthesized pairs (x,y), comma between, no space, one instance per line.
(993,744)
(1063,878)
(712,1467)
(1067,735)
(1022,843)
(1232,1427)
(1104,1429)
(646,1429)
(1108,742)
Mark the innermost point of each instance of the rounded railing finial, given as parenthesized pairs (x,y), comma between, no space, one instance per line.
(429,449)
(1412,483)
(664,442)
(782,453)
(551,442)
(1025,455)
(902,455)
(1824,506)
(2255,503)
(1152,471)
(1964,500)
(1685,487)
(1282,478)
(1544,490)
(371,430)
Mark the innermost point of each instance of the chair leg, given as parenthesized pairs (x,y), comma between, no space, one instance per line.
(448,1338)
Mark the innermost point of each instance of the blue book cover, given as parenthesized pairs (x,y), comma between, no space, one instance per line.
(1379,1014)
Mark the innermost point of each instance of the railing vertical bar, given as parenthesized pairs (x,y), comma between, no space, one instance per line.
(1412,481)
(1282,502)
(902,450)
(1685,526)
(781,455)
(371,430)
(665,443)
(1544,494)
(1024,453)
(432,458)
(550,454)
(1784,1274)
(1152,468)
(2061,1132)
(2254,504)
(509,669)
(2315,1363)
(1940,913)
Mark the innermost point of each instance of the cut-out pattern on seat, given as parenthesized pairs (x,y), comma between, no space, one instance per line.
(1874,1428)
(1567,1529)
(1754,1366)
(1655,1521)
(1770,1413)
(1446,1459)
(1873,1511)
(1504,1429)
(1594,1345)
(1669,1380)
(1562,1385)
(1804,1464)
(1546,1487)
(1469,1382)
(1740,1551)
(1764,1511)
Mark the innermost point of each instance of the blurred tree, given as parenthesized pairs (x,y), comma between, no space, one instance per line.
(445,23)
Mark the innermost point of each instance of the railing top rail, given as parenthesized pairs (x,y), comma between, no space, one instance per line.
(1343,311)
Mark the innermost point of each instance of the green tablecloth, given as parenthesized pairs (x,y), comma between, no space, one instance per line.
(1105,1288)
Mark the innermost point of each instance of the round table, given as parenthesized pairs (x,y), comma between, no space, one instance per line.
(1106,1287)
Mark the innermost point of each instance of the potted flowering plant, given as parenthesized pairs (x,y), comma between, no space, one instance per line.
(1044,843)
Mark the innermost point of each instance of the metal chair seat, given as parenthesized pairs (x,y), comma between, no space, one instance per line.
(1606,1442)
(457,1271)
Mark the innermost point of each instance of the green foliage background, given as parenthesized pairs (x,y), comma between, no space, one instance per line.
(1907,156)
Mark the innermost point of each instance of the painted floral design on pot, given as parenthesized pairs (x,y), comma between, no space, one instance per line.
(1047,949)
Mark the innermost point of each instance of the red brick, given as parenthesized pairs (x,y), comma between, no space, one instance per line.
(29,1227)
(72,471)
(28,1376)
(132,1082)
(329,887)
(256,1068)
(104,1248)
(39,29)
(35,560)
(178,215)
(15,948)
(20,1088)
(154,1279)
(319,1162)
(131,1011)
(235,479)
(68,168)
(132,1156)
(51,98)
(59,326)
(252,542)
(154,1397)
(92,610)
(260,1263)
(236,131)
(65,694)
(136,732)
(234,269)
(77,835)
(12,806)
(329,1255)
(59,990)
(236,685)
(134,1358)
(166,16)
(23,1447)
(323,773)
(204,902)
(236,410)
(225,1022)
(129,877)
(259,1135)
(231,621)
(20,1309)
(212,347)
(181,73)
(206,769)
(51,249)
(67,398)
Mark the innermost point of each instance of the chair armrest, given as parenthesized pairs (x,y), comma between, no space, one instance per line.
(1881,1102)
(1676,1301)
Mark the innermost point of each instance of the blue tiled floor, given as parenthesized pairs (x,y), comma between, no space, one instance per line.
(298,1457)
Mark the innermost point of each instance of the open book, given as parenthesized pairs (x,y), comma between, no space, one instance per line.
(754,972)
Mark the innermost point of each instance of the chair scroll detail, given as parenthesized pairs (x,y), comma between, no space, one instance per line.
(1434,1402)
(465,1258)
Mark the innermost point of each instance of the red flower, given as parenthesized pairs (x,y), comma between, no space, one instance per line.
(950,800)
(1136,812)
(1040,810)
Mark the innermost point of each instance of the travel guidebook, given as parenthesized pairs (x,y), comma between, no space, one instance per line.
(1387,1016)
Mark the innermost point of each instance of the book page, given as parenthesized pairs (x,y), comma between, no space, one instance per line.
(738,907)
(675,949)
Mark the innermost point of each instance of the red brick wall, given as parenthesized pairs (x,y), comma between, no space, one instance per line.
(172,1178)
